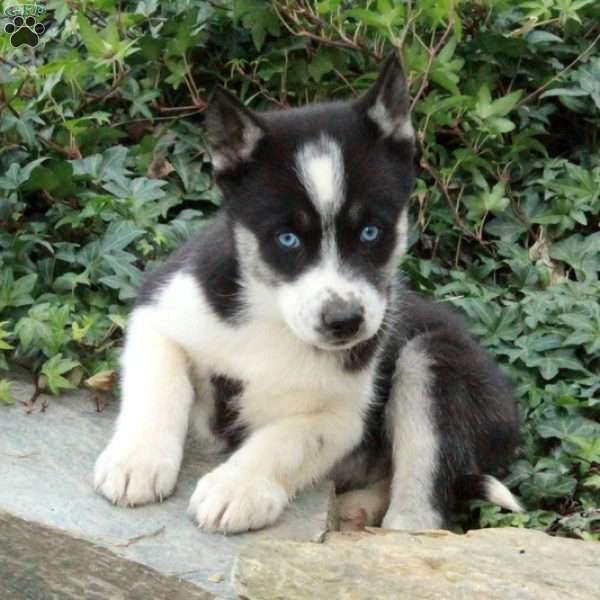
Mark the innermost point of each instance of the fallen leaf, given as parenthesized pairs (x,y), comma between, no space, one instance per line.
(103,381)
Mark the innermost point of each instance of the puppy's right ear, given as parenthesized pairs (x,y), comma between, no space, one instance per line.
(233,130)
(386,104)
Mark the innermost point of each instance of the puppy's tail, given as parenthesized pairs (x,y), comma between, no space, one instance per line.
(486,487)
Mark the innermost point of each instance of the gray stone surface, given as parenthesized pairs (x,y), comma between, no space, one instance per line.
(46,463)
(38,562)
(489,564)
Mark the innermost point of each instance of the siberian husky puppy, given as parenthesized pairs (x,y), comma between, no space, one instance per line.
(282,329)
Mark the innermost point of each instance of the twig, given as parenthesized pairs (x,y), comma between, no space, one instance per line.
(285,15)
(166,118)
(432,54)
(8,105)
(11,109)
(261,88)
(71,153)
(8,62)
(138,538)
(561,73)
(444,189)
(113,89)
(36,393)
(165,109)
(21,454)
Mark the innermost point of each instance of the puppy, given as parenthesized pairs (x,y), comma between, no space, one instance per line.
(283,332)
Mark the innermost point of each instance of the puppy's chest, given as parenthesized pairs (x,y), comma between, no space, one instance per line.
(267,373)
(263,376)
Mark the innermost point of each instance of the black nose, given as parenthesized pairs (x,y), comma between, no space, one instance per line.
(342,319)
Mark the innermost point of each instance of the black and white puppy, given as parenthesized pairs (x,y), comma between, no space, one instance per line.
(282,330)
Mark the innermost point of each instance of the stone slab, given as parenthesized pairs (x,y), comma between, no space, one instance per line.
(38,562)
(488,564)
(46,463)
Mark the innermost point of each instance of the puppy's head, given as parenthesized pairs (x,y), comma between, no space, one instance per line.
(318,200)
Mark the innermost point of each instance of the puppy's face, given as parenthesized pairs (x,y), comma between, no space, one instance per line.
(318,198)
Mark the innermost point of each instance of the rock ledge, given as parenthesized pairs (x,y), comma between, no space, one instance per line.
(498,564)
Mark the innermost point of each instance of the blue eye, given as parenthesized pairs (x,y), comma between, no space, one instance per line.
(370,234)
(288,240)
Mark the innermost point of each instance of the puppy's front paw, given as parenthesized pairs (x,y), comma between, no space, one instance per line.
(130,473)
(228,500)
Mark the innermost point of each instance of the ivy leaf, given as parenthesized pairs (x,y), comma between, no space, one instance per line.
(92,40)
(582,253)
(17,175)
(319,65)
(6,396)
(16,292)
(3,335)
(502,106)
(141,189)
(547,484)
(118,236)
(564,428)
(54,369)
(50,84)
(106,167)
(493,201)
(259,18)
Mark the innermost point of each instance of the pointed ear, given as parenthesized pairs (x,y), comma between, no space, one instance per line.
(233,130)
(387,103)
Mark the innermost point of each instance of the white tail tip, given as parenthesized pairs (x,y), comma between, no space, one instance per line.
(497,493)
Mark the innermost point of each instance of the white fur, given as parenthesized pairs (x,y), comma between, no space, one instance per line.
(252,134)
(229,500)
(142,461)
(253,268)
(301,301)
(402,232)
(415,446)
(402,228)
(302,415)
(497,493)
(320,167)
(399,128)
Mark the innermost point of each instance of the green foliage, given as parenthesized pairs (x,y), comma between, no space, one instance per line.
(104,171)
(6,396)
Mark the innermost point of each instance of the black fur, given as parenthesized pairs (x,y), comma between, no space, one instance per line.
(210,257)
(227,393)
(265,194)
(475,417)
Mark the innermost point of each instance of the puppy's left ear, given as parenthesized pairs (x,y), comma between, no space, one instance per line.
(386,104)
(234,131)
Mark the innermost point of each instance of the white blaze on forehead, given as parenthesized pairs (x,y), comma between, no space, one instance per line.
(320,166)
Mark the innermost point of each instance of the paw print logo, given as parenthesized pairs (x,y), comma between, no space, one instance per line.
(24,31)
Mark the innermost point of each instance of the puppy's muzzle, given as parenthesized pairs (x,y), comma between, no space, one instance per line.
(341,320)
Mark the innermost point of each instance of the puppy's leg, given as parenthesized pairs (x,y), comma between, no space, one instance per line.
(415,444)
(364,507)
(253,487)
(453,421)
(141,462)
